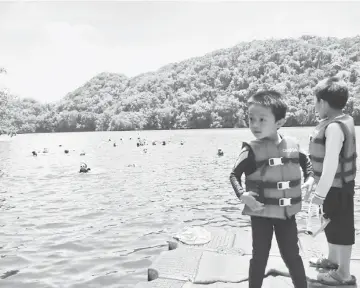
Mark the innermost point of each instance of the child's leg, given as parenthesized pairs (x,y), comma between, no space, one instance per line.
(344,257)
(262,232)
(287,238)
(340,232)
(331,262)
(342,275)
(331,208)
(332,255)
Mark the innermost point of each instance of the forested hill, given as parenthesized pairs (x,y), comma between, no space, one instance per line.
(202,92)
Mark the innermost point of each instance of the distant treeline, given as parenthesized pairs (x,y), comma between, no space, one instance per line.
(202,92)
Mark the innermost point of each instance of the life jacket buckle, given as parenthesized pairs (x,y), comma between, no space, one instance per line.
(283,185)
(284,202)
(275,161)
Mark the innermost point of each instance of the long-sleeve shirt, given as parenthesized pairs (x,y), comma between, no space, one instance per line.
(333,145)
(246,164)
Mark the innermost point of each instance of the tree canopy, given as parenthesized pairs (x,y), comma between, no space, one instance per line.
(201,92)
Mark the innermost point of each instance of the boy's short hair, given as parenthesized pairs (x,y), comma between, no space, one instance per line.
(334,91)
(271,99)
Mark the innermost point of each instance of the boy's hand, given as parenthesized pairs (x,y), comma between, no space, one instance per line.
(308,186)
(249,199)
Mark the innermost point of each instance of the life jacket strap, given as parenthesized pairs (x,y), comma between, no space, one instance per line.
(277,161)
(275,185)
(339,174)
(282,201)
(349,159)
(341,159)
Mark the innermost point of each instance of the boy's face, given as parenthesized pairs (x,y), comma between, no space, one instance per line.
(320,107)
(262,122)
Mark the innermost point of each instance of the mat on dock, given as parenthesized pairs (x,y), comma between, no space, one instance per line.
(269,282)
(223,262)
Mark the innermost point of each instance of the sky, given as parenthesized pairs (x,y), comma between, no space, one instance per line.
(51,48)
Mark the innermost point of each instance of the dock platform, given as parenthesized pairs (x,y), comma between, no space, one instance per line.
(223,262)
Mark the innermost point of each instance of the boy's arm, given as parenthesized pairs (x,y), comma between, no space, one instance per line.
(244,164)
(306,166)
(333,144)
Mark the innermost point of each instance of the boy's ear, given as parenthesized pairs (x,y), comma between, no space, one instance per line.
(324,103)
(280,122)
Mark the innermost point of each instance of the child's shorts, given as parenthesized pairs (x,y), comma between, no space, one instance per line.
(339,207)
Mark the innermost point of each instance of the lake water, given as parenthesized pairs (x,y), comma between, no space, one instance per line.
(59,228)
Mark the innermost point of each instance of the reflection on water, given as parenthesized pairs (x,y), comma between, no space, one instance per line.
(60,228)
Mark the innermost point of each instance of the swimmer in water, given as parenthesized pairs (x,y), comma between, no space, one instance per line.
(84,168)
(220,152)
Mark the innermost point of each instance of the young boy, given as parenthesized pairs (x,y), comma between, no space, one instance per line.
(333,154)
(271,164)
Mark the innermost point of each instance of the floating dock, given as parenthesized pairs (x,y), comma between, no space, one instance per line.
(224,262)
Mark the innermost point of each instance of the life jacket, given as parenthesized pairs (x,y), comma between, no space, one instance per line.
(277,178)
(346,170)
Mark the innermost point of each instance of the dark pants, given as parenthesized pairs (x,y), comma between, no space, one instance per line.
(287,239)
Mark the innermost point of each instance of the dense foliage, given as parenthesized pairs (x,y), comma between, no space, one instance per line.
(201,92)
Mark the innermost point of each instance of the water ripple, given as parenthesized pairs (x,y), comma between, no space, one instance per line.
(60,228)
